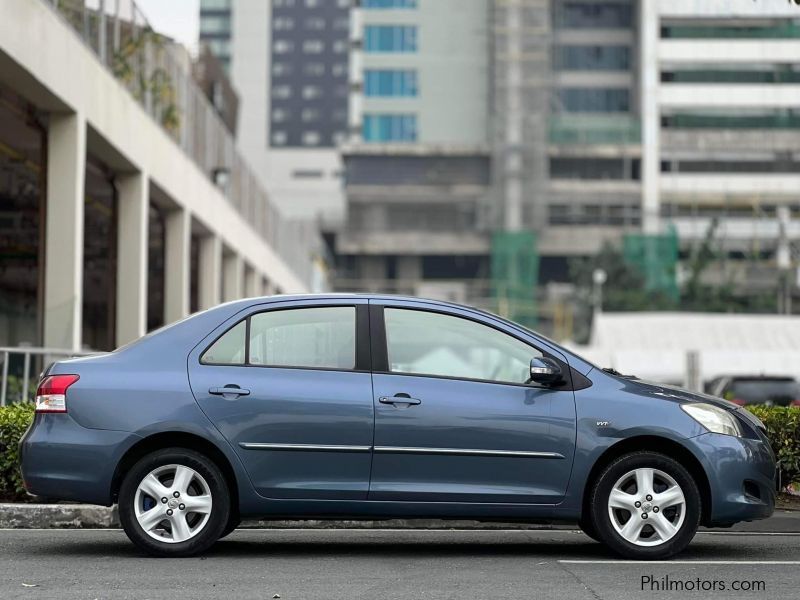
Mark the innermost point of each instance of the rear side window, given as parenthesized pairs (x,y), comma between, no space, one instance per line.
(229,349)
(323,337)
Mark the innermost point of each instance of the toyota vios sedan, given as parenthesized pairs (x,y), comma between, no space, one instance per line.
(375,407)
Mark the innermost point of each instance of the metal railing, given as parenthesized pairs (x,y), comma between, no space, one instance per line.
(31,362)
(157,73)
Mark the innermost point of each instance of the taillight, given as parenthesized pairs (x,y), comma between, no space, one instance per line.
(796,402)
(51,397)
(739,401)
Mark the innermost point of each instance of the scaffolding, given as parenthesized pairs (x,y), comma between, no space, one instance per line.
(656,258)
(515,273)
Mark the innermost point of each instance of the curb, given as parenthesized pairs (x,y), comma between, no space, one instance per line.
(85,516)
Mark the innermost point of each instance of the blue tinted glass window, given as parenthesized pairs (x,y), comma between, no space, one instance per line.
(594,99)
(390,83)
(389,4)
(390,38)
(390,128)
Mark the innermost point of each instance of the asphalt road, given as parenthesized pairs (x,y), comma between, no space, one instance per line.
(372,565)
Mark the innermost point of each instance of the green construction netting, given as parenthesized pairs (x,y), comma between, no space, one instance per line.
(515,273)
(656,257)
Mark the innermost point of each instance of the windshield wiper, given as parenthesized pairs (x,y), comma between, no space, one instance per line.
(612,371)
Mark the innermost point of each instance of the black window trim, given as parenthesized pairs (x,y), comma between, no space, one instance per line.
(380,350)
(362,340)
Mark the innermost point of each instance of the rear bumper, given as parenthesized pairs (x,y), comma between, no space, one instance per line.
(65,461)
(741,473)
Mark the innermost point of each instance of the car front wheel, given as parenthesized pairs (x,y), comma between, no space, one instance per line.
(645,506)
(174,502)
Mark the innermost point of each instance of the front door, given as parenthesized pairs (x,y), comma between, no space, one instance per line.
(289,386)
(455,420)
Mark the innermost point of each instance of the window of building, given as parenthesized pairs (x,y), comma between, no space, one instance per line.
(594,99)
(322,337)
(591,58)
(341,24)
(281,68)
(311,91)
(282,91)
(763,29)
(219,47)
(279,138)
(339,69)
(282,23)
(280,115)
(314,69)
(593,168)
(313,46)
(389,128)
(309,114)
(315,23)
(390,38)
(390,82)
(215,5)
(214,23)
(388,3)
(311,138)
(312,3)
(283,3)
(340,46)
(593,15)
(426,343)
(307,174)
(282,46)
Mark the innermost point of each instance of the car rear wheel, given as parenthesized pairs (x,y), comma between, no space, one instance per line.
(645,506)
(174,502)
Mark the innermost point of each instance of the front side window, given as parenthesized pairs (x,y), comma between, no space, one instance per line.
(306,337)
(426,343)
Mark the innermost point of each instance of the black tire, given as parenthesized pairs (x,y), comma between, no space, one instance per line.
(601,519)
(217,519)
(231,526)
(588,528)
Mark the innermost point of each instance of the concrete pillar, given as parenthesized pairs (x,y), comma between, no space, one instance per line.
(209,271)
(63,274)
(232,277)
(134,205)
(177,264)
(651,125)
(251,282)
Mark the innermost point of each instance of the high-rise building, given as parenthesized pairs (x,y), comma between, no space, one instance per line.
(575,122)
(288,59)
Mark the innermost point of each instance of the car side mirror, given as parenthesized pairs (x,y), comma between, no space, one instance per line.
(545,371)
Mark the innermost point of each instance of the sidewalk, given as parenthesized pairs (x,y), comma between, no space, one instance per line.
(83,516)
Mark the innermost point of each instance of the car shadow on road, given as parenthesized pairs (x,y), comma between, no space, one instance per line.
(246,545)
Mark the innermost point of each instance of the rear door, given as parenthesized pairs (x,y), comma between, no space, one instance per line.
(288,384)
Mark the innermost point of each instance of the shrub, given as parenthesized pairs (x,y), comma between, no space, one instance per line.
(14,421)
(783,430)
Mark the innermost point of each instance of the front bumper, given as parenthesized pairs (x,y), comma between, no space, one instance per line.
(65,461)
(741,474)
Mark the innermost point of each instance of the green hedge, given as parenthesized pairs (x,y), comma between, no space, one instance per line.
(783,430)
(14,421)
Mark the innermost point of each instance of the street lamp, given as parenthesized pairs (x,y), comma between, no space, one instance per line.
(599,277)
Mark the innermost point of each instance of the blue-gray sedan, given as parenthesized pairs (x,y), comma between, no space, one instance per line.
(376,407)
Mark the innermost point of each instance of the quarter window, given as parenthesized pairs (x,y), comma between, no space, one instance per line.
(229,349)
(426,343)
(308,337)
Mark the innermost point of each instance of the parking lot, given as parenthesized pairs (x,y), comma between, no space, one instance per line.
(376,564)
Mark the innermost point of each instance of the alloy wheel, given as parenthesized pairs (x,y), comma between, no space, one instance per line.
(173,503)
(647,507)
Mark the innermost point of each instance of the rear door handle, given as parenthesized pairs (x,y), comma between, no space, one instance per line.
(229,391)
(399,400)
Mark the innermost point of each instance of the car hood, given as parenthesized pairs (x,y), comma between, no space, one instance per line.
(683,396)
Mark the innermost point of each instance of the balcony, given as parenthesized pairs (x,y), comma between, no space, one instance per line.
(581,129)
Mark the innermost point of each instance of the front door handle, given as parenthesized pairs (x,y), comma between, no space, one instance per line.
(229,390)
(403,400)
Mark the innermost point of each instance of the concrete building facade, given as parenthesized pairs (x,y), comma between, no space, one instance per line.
(117,215)
(288,60)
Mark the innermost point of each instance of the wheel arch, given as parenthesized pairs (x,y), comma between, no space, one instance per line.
(662,445)
(176,439)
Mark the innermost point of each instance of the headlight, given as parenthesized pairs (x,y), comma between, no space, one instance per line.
(716,420)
